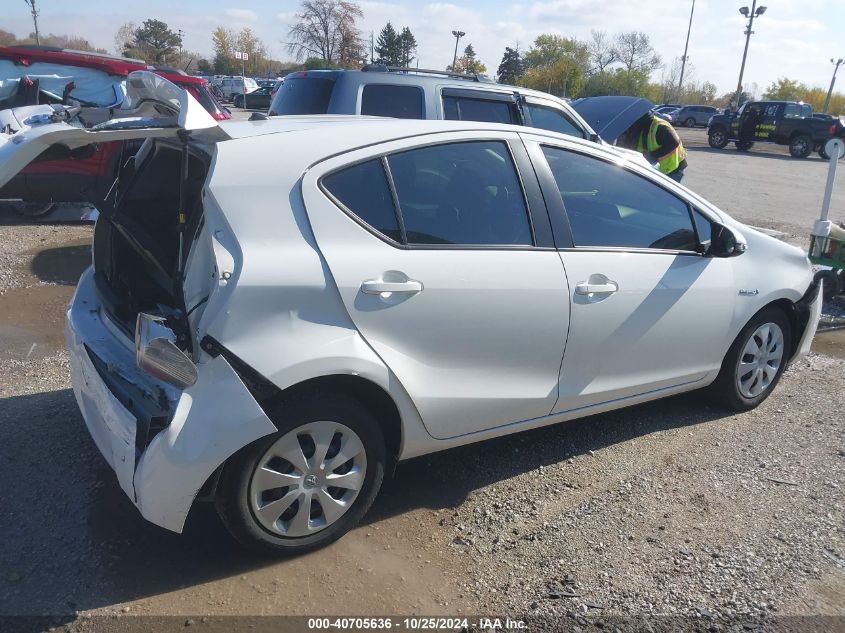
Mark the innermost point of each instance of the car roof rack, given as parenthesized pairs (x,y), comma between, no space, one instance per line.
(383,68)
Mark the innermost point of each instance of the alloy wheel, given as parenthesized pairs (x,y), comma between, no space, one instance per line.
(308,479)
(760,360)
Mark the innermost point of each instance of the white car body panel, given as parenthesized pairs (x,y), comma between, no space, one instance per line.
(666,325)
(281,266)
(458,345)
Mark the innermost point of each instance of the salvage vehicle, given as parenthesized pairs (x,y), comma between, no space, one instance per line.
(33,75)
(279,310)
(693,115)
(781,122)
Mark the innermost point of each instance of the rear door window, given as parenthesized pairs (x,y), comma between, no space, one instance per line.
(461,193)
(401,102)
(303,95)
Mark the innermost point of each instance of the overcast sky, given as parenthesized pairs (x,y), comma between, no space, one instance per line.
(794,38)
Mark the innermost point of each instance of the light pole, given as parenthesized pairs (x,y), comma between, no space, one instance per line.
(755,12)
(35,12)
(686,48)
(837,63)
(458,35)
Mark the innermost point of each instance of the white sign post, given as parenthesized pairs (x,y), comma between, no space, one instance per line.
(244,57)
(835,148)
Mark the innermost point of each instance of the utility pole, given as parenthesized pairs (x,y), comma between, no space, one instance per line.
(372,48)
(686,48)
(181,33)
(755,12)
(458,35)
(35,12)
(836,66)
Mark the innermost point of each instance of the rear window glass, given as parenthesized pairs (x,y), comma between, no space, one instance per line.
(401,102)
(303,95)
(364,191)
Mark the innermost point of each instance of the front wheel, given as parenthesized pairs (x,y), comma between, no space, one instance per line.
(744,146)
(308,484)
(718,138)
(801,146)
(690,122)
(755,361)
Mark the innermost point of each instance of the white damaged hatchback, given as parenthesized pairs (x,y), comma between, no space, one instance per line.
(279,309)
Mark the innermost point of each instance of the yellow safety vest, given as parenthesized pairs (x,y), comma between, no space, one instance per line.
(668,162)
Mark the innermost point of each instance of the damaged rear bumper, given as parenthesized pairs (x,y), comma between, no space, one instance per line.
(162,443)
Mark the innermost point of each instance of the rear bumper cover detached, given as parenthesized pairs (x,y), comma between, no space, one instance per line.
(201,426)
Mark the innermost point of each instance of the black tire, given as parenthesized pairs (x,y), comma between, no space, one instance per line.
(832,282)
(237,102)
(744,146)
(800,146)
(718,138)
(33,209)
(690,122)
(725,389)
(232,499)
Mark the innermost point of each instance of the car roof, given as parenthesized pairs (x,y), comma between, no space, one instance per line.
(417,76)
(318,136)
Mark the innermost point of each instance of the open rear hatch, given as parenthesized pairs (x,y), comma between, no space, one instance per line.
(153,209)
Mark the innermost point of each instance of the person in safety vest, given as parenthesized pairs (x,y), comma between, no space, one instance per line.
(657,140)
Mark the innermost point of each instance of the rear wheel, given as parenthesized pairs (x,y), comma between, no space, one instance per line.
(801,146)
(718,138)
(755,361)
(690,122)
(308,484)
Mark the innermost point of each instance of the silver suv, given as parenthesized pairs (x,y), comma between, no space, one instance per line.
(404,93)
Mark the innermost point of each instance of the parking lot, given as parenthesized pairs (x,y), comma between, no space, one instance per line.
(673,508)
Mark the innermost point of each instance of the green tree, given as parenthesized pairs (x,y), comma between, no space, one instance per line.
(223,42)
(388,47)
(468,63)
(617,81)
(407,47)
(785,89)
(511,68)
(156,41)
(557,65)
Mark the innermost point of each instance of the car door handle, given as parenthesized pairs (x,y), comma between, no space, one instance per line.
(377,287)
(585,288)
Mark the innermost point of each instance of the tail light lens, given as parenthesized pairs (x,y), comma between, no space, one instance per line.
(156,353)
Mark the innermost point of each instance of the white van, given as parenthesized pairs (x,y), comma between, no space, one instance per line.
(231,86)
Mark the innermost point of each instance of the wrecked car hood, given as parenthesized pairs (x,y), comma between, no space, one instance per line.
(153,108)
(611,116)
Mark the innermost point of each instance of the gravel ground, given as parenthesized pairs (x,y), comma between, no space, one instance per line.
(671,508)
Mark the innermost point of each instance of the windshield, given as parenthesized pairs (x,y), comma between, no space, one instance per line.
(303,95)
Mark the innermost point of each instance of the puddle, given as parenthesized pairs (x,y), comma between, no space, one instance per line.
(830,342)
(32,321)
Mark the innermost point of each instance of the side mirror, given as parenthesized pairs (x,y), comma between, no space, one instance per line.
(725,242)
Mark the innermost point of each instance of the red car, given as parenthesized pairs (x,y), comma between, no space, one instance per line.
(53,75)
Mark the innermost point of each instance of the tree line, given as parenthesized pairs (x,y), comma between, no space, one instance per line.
(325,34)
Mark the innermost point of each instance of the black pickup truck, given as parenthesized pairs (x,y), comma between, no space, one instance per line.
(782,122)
